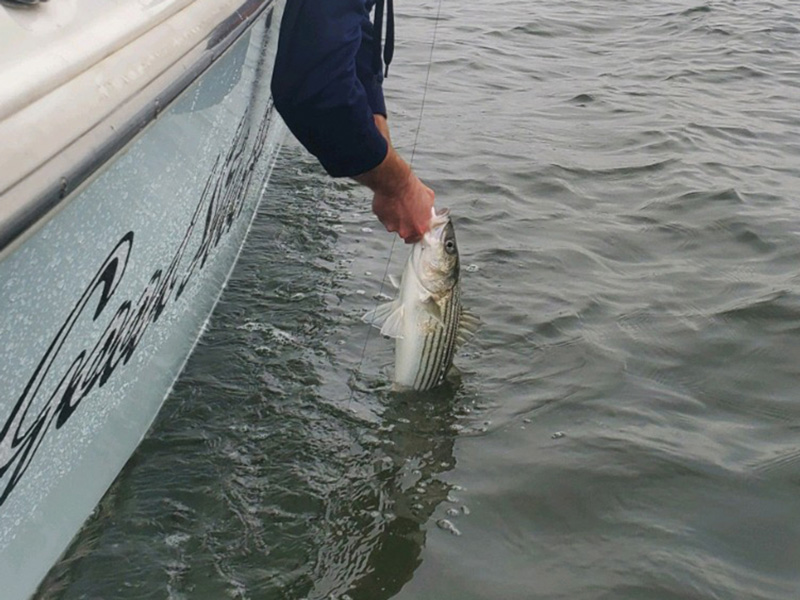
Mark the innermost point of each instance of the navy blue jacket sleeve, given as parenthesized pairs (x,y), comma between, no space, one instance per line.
(325,85)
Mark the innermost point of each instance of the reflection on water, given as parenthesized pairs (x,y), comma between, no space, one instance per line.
(377,519)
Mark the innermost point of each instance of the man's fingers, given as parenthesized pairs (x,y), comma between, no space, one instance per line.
(406,213)
(411,236)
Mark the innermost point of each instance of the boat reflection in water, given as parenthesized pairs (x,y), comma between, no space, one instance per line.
(137,139)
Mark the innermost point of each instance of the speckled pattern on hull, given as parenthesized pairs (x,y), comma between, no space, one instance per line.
(100,308)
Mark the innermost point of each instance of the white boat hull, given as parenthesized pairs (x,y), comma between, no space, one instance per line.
(103,298)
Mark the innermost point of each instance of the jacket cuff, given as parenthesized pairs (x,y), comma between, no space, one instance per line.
(348,147)
(374,91)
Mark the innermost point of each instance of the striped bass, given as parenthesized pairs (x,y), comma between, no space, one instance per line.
(427,319)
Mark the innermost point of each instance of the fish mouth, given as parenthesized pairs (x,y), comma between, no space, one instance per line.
(439,216)
(439,219)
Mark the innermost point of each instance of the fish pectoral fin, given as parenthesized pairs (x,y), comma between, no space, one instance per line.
(432,309)
(388,316)
(468,324)
(394,281)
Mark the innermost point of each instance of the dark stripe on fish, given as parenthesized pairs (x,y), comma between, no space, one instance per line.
(452,331)
(436,348)
(424,359)
(424,362)
(439,346)
(455,318)
(433,363)
(443,360)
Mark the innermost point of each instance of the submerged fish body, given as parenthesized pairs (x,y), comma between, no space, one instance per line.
(427,319)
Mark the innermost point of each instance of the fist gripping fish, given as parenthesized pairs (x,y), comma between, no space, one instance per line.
(427,318)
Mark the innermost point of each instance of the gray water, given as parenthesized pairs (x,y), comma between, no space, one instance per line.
(624,178)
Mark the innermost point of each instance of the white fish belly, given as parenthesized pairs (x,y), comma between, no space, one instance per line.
(409,348)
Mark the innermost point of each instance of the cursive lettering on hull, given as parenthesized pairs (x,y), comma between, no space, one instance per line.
(60,384)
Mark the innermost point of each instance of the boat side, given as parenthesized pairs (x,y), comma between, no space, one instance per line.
(106,285)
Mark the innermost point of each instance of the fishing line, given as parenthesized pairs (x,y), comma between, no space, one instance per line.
(411,164)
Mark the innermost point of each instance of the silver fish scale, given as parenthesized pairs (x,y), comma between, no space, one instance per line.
(440,345)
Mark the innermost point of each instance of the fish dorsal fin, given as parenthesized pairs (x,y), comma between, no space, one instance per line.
(388,316)
(468,324)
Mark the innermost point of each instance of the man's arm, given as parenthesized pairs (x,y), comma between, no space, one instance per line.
(330,97)
(401,201)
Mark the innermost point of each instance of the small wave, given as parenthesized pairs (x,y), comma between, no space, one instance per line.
(782,463)
(581,99)
(690,200)
(718,75)
(699,10)
(617,171)
(280,336)
(702,9)
(528,30)
(776,307)
(781,28)
(717,31)
(727,133)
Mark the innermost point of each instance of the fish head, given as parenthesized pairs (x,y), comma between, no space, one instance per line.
(435,257)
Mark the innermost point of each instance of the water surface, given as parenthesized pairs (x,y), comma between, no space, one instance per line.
(624,179)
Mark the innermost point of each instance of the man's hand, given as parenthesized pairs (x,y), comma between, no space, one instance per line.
(406,208)
(401,201)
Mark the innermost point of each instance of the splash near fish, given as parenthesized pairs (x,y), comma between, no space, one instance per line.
(427,319)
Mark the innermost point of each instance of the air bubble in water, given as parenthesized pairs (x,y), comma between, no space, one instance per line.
(447,526)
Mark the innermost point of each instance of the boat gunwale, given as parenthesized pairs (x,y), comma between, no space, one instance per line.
(49,186)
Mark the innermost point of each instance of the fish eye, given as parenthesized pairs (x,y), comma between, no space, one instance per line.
(450,246)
